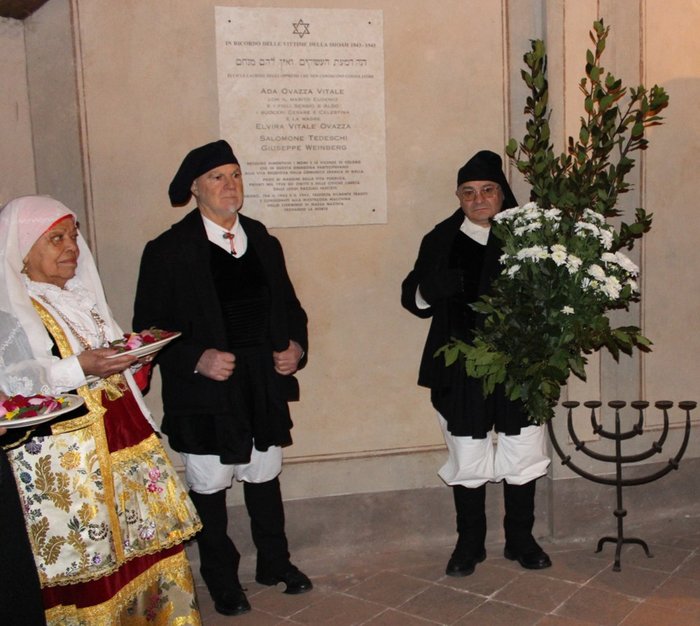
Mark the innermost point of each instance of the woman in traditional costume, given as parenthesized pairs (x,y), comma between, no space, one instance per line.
(105,511)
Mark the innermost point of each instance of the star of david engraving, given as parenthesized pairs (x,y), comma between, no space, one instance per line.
(301,28)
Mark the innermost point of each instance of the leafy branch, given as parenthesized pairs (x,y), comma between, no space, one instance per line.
(585,175)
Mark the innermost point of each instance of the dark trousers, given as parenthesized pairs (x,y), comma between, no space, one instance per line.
(266,511)
(519,519)
(219,558)
(470,504)
(20,594)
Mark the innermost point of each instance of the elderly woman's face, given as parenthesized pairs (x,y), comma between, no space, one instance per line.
(54,256)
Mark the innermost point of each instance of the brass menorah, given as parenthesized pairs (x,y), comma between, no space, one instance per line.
(620,459)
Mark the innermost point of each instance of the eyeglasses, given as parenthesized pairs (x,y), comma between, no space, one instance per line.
(487,191)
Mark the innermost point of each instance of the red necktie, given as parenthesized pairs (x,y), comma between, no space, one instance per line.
(229,236)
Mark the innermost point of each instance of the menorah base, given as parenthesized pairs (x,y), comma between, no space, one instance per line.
(620,541)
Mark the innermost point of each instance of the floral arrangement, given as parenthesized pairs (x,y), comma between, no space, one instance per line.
(563,265)
(131,341)
(19,406)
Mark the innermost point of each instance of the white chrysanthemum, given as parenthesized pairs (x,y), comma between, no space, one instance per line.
(593,216)
(573,263)
(582,228)
(611,287)
(558,255)
(567,310)
(507,214)
(633,285)
(533,253)
(606,238)
(626,263)
(531,211)
(527,228)
(513,270)
(553,214)
(597,272)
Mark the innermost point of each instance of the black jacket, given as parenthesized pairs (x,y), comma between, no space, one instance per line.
(176,292)
(457,397)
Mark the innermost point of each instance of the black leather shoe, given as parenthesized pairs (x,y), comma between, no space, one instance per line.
(537,559)
(232,602)
(459,566)
(295,580)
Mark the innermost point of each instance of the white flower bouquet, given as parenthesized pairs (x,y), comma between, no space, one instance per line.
(575,255)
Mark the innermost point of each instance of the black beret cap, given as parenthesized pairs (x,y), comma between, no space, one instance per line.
(197,162)
(487,165)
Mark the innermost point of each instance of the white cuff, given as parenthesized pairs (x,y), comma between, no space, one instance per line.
(66,374)
(420,301)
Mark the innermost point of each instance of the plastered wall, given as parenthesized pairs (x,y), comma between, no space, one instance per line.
(15,127)
(143,88)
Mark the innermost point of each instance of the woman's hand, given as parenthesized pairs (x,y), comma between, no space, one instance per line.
(96,363)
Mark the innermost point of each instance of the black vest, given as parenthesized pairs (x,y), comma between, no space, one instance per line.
(244,297)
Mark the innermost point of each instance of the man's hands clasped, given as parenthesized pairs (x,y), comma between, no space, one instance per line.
(219,365)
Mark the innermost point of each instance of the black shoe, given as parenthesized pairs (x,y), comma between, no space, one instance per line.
(295,580)
(459,566)
(232,602)
(535,559)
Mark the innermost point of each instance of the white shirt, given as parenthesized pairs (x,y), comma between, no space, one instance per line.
(215,234)
(475,232)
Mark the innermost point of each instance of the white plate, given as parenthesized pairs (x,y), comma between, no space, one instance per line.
(72,402)
(147,348)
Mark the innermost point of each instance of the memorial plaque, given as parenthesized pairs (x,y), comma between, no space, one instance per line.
(301,100)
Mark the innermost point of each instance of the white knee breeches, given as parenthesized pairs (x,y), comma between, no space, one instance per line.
(517,459)
(204,473)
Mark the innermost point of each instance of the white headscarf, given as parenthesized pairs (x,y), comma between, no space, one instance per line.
(25,345)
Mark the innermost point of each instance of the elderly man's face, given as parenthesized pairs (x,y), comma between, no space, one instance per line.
(219,194)
(480,200)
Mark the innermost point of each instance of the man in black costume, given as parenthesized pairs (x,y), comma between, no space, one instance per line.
(456,264)
(220,278)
